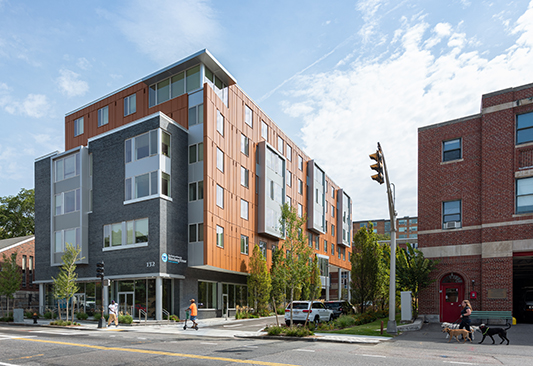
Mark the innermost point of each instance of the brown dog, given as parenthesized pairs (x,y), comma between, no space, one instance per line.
(456,333)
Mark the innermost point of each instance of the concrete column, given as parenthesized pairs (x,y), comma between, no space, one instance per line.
(106,298)
(349,279)
(158,298)
(41,298)
(327,287)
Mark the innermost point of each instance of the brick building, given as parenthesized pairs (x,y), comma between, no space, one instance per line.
(475,206)
(27,296)
(172,180)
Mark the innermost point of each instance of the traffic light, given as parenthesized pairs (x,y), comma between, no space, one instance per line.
(378,167)
(100,269)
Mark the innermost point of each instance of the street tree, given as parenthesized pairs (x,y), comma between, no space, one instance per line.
(65,285)
(17,214)
(315,284)
(296,251)
(365,273)
(413,272)
(10,277)
(259,284)
(278,278)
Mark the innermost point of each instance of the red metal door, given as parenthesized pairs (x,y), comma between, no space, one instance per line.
(451,296)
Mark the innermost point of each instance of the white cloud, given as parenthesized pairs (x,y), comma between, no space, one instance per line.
(70,84)
(167,30)
(346,113)
(83,63)
(34,105)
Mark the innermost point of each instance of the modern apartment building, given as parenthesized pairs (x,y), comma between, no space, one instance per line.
(171,181)
(475,206)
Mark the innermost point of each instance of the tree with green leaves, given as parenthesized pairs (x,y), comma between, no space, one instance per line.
(17,214)
(296,251)
(65,285)
(314,284)
(413,272)
(10,277)
(259,284)
(366,267)
(278,278)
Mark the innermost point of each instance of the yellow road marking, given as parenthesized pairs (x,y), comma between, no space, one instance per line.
(115,330)
(19,358)
(254,362)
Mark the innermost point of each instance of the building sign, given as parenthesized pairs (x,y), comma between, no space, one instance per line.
(497,293)
(171,258)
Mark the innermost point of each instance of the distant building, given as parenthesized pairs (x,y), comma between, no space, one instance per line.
(27,297)
(407,228)
(475,206)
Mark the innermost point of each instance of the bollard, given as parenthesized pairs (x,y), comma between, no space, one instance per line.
(382,327)
(35,317)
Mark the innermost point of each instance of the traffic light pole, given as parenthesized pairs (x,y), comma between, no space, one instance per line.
(381,168)
(101,321)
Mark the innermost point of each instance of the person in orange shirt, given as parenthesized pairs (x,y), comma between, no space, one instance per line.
(194,313)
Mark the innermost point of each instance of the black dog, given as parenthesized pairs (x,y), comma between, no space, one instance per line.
(486,331)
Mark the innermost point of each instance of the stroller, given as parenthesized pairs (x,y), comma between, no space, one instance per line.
(187,313)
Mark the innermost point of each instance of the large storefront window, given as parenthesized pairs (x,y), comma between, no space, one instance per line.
(237,294)
(207,295)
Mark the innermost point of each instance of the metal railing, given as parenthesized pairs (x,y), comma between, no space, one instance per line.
(167,314)
(143,312)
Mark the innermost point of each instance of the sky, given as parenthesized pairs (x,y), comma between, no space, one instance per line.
(336,76)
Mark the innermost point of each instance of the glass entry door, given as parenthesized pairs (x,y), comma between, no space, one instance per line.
(126,302)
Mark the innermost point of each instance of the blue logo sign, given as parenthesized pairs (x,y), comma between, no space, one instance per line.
(164,257)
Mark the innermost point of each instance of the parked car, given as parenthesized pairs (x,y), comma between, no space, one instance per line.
(340,307)
(316,310)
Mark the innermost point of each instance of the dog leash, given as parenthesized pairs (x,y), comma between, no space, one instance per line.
(486,330)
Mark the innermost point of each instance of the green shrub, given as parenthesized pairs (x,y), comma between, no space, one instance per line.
(28,314)
(274,330)
(174,318)
(50,315)
(7,319)
(82,316)
(344,321)
(280,310)
(63,323)
(298,332)
(125,319)
(97,316)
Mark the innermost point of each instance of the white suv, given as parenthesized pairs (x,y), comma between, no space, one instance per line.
(317,312)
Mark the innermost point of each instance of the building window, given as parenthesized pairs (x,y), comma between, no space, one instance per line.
(67,202)
(333,212)
(244,177)
(141,146)
(196,233)
(288,201)
(244,244)
(325,246)
(103,116)
(220,123)
(300,210)
(196,115)
(196,153)
(165,184)
(524,195)
(165,144)
(244,209)
(207,295)
(413,236)
(220,236)
(264,130)
(413,228)
(280,145)
(401,222)
(451,150)
(332,249)
(524,128)
(332,230)
(248,116)
(130,105)
(263,248)
(67,167)
(339,252)
(220,160)
(402,229)
(196,191)
(300,163)
(289,152)
(24,270)
(413,221)
(220,196)
(451,216)
(300,187)
(78,126)
(126,233)
(317,242)
(70,236)
(245,145)
(289,178)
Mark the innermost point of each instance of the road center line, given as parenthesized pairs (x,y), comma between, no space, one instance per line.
(304,350)
(174,354)
(460,363)
(379,356)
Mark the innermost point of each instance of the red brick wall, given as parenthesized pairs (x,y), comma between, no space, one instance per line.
(497,274)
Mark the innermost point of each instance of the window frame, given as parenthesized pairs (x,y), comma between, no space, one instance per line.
(130,104)
(452,152)
(523,195)
(219,235)
(103,116)
(245,244)
(446,217)
(78,126)
(523,129)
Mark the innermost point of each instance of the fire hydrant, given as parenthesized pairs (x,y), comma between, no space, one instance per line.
(35,317)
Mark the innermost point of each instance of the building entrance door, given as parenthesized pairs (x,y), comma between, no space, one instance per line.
(126,302)
(78,303)
(451,296)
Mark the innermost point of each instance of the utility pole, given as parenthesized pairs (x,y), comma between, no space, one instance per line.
(381,177)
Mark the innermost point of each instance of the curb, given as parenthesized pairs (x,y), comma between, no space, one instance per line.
(315,339)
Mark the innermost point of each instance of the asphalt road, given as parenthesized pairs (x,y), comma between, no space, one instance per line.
(54,346)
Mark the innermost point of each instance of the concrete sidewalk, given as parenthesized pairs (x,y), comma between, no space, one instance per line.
(206,329)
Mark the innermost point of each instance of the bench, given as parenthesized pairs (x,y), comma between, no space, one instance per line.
(497,315)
